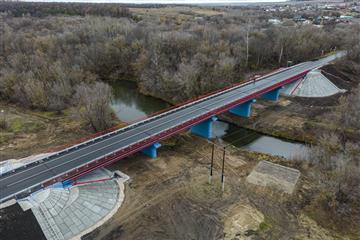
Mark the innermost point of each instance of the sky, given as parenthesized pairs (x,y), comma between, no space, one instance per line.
(217,2)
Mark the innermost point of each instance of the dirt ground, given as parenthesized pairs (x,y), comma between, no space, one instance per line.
(170,198)
(17,224)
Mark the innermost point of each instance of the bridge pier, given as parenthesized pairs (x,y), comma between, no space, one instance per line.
(63,184)
(244,109)
(204,129)
(273,95)
(151,150)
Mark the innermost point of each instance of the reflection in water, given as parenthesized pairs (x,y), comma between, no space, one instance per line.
(130,105)
(256,142)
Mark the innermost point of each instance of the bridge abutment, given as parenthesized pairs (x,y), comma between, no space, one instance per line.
(151,150)
(272,95)
(244,109)
(205,128)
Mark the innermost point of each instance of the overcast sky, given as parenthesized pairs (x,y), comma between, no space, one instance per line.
(163,1)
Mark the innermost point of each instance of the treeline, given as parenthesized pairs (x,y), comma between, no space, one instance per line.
(42,60)
(43,9)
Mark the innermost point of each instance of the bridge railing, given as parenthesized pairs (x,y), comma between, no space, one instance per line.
(137,146)
(65,148)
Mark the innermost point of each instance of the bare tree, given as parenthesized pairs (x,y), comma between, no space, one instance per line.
(3,120)
(93,104)
(248,29)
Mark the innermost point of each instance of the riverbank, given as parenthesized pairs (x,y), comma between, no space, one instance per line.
(281,119)
(302,119)
(170,198)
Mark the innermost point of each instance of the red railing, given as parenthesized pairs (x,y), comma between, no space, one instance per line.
(100,133)
(76,173)
(199,97)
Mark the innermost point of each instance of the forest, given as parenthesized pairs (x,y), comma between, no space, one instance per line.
(48,50)
(56,56)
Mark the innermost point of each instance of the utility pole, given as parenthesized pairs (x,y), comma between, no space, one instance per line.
(212,163)
(222,172)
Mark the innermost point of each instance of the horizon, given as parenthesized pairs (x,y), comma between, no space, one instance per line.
(175,2)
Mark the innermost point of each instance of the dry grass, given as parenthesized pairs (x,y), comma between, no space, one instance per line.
(32,132)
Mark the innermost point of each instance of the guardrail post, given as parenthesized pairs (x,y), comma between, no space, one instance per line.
(204,129)
(244,109)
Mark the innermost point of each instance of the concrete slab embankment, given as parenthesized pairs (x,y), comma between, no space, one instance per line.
(267,174)
(69,213)
(315,84)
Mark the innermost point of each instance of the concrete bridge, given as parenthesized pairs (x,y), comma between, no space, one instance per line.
(71,163)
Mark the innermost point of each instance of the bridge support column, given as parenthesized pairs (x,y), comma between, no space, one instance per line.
(244,109)
(67,183)
(64,184)
(204,129)
(151,150)
(272,95)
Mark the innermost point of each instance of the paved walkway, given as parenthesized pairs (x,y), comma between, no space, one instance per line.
(73,212)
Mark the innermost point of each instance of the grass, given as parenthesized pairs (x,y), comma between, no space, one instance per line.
(5,137)
(3,123)
(19,125)
(265,225)
(204,191)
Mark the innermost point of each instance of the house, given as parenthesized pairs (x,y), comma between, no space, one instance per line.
(274,21)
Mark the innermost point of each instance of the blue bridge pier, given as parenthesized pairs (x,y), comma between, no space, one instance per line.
(244,109)
(24,181)
(205,128)
(273,95)
(151,150)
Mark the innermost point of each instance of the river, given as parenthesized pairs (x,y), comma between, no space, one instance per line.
(130,105)
(257,142)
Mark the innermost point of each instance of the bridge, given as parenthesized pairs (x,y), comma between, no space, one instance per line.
(75,161)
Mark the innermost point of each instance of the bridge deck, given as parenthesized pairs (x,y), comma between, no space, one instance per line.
(110,147)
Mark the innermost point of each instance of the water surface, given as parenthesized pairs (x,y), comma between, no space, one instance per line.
(130,105)
(254,141)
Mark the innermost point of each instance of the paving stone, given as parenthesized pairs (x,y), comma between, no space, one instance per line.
(96,209)
(63,228)
(62,216)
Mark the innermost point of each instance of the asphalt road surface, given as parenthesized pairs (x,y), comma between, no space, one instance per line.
(25,178)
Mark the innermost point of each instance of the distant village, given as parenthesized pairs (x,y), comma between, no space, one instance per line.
(318,14)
